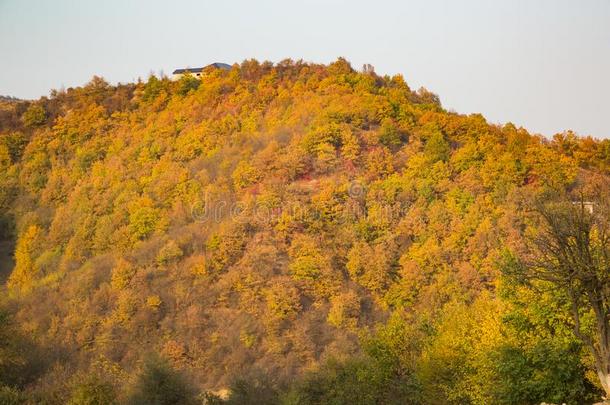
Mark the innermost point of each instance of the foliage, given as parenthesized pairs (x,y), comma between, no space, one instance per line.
(187,83)
(10,396)
(25,270)
(92,391)
(568,251)
(34,116)
(272,217)
(252,391)
(384,375)
(159,384)
(543,360)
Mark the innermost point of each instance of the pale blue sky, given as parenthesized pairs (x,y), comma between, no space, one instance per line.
(542,64)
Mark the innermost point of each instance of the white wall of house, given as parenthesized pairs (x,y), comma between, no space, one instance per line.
(179,75)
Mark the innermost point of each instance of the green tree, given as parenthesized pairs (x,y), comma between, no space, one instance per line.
(389,135)
(144,219)
(34,116)
(10,396)
(539,360)
(437,148)
(568,250)
(384,375)
(152,89)
(159,384)
(187,83)
(253,390)
(92,391)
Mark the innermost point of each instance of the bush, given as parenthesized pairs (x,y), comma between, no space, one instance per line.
(159,384)
(252,391)
(357,382)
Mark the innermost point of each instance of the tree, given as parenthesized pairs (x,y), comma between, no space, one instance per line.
(143,219)
(437,148)
(10,396)
(389,135)
(170,252)
(245,175)
(538,358)
(24,273)
(568,250)
(152,88)
(372,267)
(159,384)
(283,300)
(187,83)
(122,273)
(34,116)
(253,390)
(384,374)
(344,310)
(92,391)
(10,357)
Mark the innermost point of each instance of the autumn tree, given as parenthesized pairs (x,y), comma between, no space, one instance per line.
(25,270)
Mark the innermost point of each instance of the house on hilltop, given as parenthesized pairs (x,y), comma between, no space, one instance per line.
(197,72)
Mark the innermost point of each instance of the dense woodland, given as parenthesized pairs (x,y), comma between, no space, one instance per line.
(287,233)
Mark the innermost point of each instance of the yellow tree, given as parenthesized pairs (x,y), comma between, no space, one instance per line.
(25,271)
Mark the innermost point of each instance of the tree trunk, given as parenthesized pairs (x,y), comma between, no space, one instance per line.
(604,378)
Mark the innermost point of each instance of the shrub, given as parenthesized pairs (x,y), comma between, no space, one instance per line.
(159,384)
(252,391)
(356,381)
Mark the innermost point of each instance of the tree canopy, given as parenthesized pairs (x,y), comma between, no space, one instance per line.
(302,233)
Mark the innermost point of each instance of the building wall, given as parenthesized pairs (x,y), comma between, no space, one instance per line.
(179,75)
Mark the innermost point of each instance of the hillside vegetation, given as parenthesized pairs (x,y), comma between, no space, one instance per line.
(299,233)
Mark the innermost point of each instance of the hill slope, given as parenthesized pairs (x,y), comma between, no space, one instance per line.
(261,220)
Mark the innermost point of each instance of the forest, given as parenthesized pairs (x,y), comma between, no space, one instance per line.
(296,233)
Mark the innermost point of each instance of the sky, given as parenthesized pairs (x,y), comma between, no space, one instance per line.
(541,64)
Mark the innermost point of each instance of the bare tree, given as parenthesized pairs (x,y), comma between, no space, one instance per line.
(568,248)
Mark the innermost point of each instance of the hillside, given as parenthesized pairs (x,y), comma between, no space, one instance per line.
(280,223)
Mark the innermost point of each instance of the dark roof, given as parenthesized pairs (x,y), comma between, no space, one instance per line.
(217,65)
(220,65)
